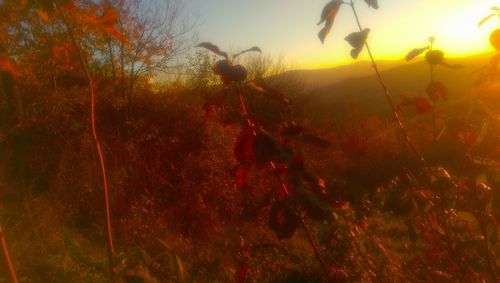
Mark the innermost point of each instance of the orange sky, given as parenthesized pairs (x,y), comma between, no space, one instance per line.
(288,28)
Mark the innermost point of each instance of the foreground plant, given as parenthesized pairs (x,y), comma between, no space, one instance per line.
(430,200)
(264,144)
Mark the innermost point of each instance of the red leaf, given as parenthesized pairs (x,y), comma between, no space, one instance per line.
(436,91)
(243,148)
(422,105)
(214,48)
(241,276)
(242,175)
(283,220)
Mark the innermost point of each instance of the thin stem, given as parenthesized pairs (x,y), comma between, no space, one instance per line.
(84,64)
(387,95)
(434,128)
(251,125)
(6,256)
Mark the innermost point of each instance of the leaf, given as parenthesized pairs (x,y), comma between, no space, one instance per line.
(244,147)
(255,48)
(213,48)
(242,273)
(372,3)
(283,220)
(312,205)
(328,17)
(422,105)
(485,19)
(266,148)
(242,175)
(357,40)
(434,57)
(495,39)
(415,52)
(229,73)
(323,33)
(436,91)
(316,141)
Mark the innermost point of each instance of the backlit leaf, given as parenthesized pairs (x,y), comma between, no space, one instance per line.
(434,57)
(328,17)
(357,40)
(283,220)
(266,149)
(242,175)
(229,73)
(422,105)
(214,48)
(436,91)
(241,275)
(495,39)
(243,148)
(255,48)
(415,52)
(485,19)
(372,3)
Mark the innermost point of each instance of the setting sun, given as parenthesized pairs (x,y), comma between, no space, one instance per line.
(397,26)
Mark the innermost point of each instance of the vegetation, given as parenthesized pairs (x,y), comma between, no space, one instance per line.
(115,169)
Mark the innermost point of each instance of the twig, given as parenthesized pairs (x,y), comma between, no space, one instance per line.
(6,256)
(84,63)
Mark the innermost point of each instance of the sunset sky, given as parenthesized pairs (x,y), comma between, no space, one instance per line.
(288,27)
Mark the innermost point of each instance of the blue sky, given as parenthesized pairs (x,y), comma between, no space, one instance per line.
(288,27)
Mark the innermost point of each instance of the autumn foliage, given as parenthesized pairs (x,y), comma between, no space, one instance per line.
(121,164)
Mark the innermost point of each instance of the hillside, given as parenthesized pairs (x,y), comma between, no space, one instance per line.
(319,78)
(363,91)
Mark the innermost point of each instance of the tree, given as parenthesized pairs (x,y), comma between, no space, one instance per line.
(157,34)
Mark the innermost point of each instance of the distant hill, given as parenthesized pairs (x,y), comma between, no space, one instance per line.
(356,85)
(314,79)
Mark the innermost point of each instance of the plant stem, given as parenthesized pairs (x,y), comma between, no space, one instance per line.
(434,128)
(387,95)
(84,64)
(6,256)
(251,125)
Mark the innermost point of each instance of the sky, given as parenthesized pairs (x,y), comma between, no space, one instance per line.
(289,28)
